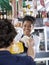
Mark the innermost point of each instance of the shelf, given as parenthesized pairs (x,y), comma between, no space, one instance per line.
(39,27)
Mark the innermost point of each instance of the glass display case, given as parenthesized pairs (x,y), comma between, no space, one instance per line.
(47,36)
(43,54)
(41,63)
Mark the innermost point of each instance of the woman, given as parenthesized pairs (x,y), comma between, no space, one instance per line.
(28,26)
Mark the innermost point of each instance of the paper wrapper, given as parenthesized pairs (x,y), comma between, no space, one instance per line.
(17,48)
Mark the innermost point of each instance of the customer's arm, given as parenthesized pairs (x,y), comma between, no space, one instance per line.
(30,51)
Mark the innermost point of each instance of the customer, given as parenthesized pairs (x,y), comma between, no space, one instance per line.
(7,34)
(28,23)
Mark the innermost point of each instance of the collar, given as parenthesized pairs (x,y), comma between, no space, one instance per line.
(24,35)
(4,52)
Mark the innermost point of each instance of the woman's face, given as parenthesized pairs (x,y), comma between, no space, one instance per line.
(27,27)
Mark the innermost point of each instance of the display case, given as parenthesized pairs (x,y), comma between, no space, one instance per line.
(43,33)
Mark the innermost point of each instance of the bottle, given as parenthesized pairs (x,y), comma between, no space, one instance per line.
(5,16)
(1,14)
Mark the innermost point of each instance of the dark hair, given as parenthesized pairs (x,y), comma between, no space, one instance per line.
(29,18)
(7,33)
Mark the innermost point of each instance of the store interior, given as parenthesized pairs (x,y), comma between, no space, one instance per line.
(15,10)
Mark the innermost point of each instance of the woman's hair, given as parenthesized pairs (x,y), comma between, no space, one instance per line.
(29,18)
(7,33)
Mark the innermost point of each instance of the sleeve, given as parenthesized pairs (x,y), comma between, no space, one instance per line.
(31,61)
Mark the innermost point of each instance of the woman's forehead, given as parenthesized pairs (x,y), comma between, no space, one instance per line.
(27,22)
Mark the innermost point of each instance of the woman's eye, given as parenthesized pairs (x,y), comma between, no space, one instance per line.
(24,25)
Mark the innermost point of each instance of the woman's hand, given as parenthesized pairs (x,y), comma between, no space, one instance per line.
(30,42)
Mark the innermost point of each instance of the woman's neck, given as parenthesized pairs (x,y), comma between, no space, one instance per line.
(27,35)
(2,49)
